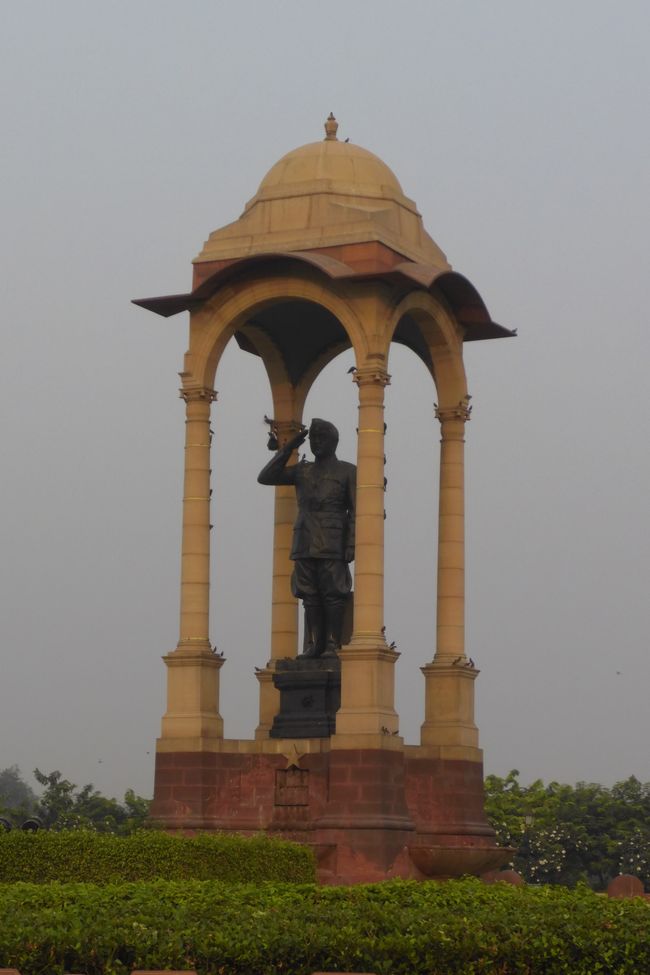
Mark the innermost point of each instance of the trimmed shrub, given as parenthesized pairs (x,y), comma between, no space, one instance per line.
(88,857)
(396,928)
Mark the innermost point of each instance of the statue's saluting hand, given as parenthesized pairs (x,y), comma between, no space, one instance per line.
(297,441)
(293,444)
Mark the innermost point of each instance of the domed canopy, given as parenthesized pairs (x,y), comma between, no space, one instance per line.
(339,209)
(326,194)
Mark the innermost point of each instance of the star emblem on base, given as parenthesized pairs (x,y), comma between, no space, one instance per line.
(293,756)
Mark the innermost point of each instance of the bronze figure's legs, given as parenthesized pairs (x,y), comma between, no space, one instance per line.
(323,585)
(334,613)
(315,629)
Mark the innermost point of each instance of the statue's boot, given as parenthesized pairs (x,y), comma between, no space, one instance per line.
(334,618)
(315,623)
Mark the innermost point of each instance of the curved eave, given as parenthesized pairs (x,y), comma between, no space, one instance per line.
(168,305)
(465,301)
(462,296)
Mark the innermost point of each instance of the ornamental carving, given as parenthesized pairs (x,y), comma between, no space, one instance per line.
(371,375)
(462,411)
(198,394)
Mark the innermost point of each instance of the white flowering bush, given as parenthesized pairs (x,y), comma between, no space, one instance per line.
(634,853)
(566,834)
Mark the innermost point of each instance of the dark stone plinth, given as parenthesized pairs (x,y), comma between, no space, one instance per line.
(310,696)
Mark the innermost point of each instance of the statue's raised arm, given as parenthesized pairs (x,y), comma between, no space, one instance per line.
(276,471)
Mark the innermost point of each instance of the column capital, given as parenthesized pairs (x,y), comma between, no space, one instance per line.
(371,376)
(462,411)
(198,394)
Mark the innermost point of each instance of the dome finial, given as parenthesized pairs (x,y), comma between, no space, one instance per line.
(331,128)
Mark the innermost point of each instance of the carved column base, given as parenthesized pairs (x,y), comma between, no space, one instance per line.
(192,696)
(367,689)
(449,705)
(269,700)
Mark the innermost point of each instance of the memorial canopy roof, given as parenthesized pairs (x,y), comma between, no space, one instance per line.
(339,209)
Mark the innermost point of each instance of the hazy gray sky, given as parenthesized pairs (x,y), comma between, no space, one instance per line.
(130,130)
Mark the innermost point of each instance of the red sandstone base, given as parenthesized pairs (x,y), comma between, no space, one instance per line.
(368,814)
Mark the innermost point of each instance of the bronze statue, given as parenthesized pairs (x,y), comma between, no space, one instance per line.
(323,535)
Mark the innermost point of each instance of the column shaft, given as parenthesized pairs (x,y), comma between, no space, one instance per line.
(367,716)
(284,610)
(195,557)
(369,554)
(450,642)
(192,720)
(284,616)
(449,679)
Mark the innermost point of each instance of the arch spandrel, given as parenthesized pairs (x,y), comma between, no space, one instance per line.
(443,337)
(283,392)
(311,375)
(214,324)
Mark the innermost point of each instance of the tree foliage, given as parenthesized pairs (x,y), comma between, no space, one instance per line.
(564,834)
(16,798)
(62,805)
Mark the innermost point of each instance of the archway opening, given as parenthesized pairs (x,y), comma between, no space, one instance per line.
(289,341)
(242,537)
(411,529)
(242,541)
(412,472)
(302,332)
(333,397)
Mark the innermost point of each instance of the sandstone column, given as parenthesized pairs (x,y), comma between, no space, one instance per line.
(449,694)
(193,668)
(284,613)
(367,675)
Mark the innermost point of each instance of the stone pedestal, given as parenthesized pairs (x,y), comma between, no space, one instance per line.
(369,813)
(310,696)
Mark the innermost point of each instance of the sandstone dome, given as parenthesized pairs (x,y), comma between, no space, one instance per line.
(322,195)
(338,166)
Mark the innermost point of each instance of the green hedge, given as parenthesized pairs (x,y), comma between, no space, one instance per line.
(88,857)
(396,928)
